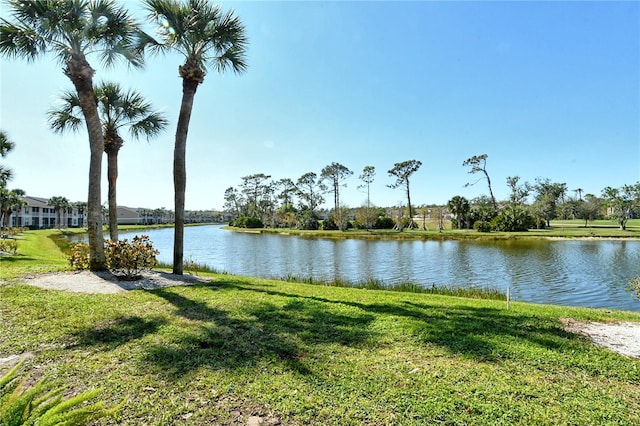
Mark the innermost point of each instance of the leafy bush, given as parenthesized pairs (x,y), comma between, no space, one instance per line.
(384,222)
(8,246)
(634,285)
(129,259)
(329,225)
(247,222)
(125,259)
(482,226)
(79,257)
(43,404)
(513,219)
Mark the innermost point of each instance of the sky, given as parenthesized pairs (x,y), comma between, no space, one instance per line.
(546,90)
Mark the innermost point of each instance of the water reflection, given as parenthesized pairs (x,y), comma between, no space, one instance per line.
(574,272)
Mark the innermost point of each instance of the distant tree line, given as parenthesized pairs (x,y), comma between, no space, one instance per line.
(260,201)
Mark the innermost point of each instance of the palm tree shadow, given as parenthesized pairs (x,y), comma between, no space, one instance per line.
(265,332)
(474,332)
(118,332)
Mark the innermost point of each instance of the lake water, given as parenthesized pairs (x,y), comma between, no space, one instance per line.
(566,272)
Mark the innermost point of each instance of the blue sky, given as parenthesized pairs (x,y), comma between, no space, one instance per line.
(545,89)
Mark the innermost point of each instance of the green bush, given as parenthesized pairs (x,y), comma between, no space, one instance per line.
(43,405)
(125,259)
(247,222)
(129,259)
(329,225)
(482,226)
(8,246)
(513,219)
(384,222)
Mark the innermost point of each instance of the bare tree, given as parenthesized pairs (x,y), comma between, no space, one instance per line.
(478,163)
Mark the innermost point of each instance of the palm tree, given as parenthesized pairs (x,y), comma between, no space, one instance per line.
(117,109)
(70,30)
(81,207)
(204,35)
(60,205)
(6,145)
(13,202)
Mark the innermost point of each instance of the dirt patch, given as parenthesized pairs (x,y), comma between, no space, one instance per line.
(623,338)
(105,282)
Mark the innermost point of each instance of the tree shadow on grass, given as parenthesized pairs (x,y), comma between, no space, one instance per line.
(480,333)
(118,332)
(265,332)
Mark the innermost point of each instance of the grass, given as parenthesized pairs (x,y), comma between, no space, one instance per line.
(318,355)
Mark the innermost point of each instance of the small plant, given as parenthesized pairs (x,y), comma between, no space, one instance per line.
(129,259)
(482,226)
(634,285)
(42,404)
(79,257)
(8,246)
(125,259)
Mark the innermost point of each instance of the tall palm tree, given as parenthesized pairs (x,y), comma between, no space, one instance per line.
(60,205)
(70,30)
(117,109)
(204,35)
(80,207)
(6,145)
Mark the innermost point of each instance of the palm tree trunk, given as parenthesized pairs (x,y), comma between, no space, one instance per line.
(189,88)
(112,177)
(81,74)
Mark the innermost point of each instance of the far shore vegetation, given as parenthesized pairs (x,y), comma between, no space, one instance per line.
(557,229)
(286,352)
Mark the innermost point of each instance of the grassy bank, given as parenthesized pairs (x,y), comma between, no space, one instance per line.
(234,347)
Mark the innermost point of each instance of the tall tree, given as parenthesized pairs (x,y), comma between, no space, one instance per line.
(368,216)
(60,205)
(402,172)
(254,188)
(117,109)
(6,145)
(310,196)
(10,201)
(547,195)
(367,177)
(71,30)
(336,174)
(80,207)
(204,35)
(622,202)
(478,164)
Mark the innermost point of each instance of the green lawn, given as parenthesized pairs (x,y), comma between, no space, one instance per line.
(318,355)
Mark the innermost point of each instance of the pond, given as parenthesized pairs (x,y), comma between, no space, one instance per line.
(592,273)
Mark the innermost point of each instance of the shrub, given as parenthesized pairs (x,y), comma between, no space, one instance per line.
(8,246)
(125,259)
(634,285)
(247,222)
(79,257)
(42,404)
(329,225)
(482,226)
(384,222)
(129,259)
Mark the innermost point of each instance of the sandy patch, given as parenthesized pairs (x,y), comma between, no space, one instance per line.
(623,338)
(105,282)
